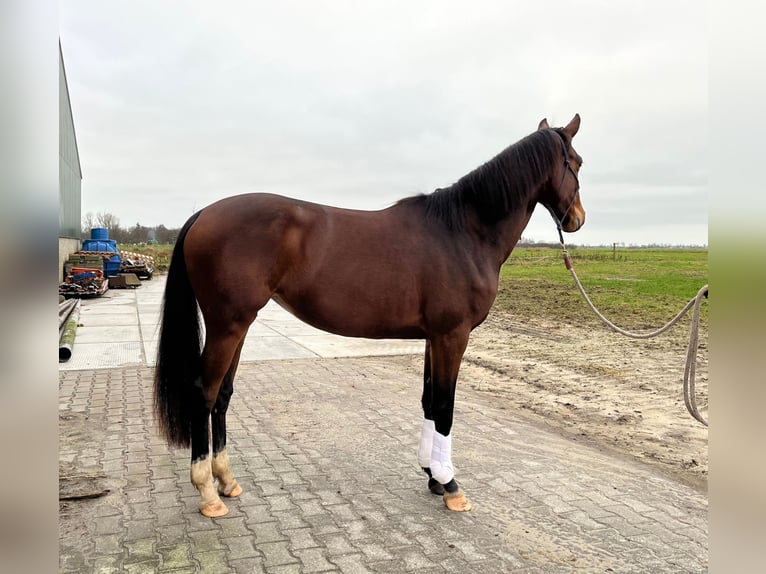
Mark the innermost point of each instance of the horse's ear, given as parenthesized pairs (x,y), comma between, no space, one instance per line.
(543,125)
(573,126)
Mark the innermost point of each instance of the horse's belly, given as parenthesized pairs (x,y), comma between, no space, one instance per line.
(353,318)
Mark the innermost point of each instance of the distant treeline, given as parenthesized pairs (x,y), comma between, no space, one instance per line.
(135,235)
(526,242)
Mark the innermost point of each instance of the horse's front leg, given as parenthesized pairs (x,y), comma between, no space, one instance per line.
(446,354)
(428,428)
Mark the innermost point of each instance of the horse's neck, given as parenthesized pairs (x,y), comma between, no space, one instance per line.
(496,242)
(510,230)
(499,240)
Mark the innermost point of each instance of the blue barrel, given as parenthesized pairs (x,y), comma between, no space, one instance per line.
(112,266)
(99,245)
(99,234)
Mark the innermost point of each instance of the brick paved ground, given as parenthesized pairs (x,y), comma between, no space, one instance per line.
(325,450)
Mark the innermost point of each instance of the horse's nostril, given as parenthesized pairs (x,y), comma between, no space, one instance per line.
(575,222)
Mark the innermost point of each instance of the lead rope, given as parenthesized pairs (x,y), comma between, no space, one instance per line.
(690,399)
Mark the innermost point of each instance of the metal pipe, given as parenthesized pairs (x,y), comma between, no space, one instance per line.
(67,333)
(65,309)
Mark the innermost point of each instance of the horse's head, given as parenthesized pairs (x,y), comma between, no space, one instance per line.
(561,196)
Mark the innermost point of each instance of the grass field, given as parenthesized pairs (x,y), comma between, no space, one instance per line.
(634,288)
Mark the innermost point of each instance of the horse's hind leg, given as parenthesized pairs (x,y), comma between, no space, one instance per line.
(220,348)
(227,484)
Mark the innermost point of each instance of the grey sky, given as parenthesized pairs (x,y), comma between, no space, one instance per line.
(357,104)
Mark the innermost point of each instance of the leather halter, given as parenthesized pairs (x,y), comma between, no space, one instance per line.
(567,169)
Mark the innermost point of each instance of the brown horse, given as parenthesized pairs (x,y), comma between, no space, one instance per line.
(424,268)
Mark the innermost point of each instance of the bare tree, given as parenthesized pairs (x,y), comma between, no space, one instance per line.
(136,234)
(111,222)
(88,223)
(164,235)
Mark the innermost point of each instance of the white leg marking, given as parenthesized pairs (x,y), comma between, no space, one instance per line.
(202,478)
(227,484)
(426,441)
(441,458)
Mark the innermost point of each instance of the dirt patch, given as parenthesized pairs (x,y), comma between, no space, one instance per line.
(592,384)
(83,485)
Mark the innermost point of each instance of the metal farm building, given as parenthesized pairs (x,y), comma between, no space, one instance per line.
(70,174)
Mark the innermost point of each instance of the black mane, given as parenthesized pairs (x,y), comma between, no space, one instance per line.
(497,187)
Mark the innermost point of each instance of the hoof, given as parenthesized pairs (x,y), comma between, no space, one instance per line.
(214,509)
(235,491)
(456,501)
(435,487)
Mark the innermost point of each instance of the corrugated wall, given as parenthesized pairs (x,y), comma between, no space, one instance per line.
(70,175)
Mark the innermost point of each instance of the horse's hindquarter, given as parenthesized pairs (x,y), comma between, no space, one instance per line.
(237,251)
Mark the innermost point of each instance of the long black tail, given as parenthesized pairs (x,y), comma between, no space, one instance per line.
(179,353)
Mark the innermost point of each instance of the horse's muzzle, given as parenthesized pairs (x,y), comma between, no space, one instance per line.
(574,222)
